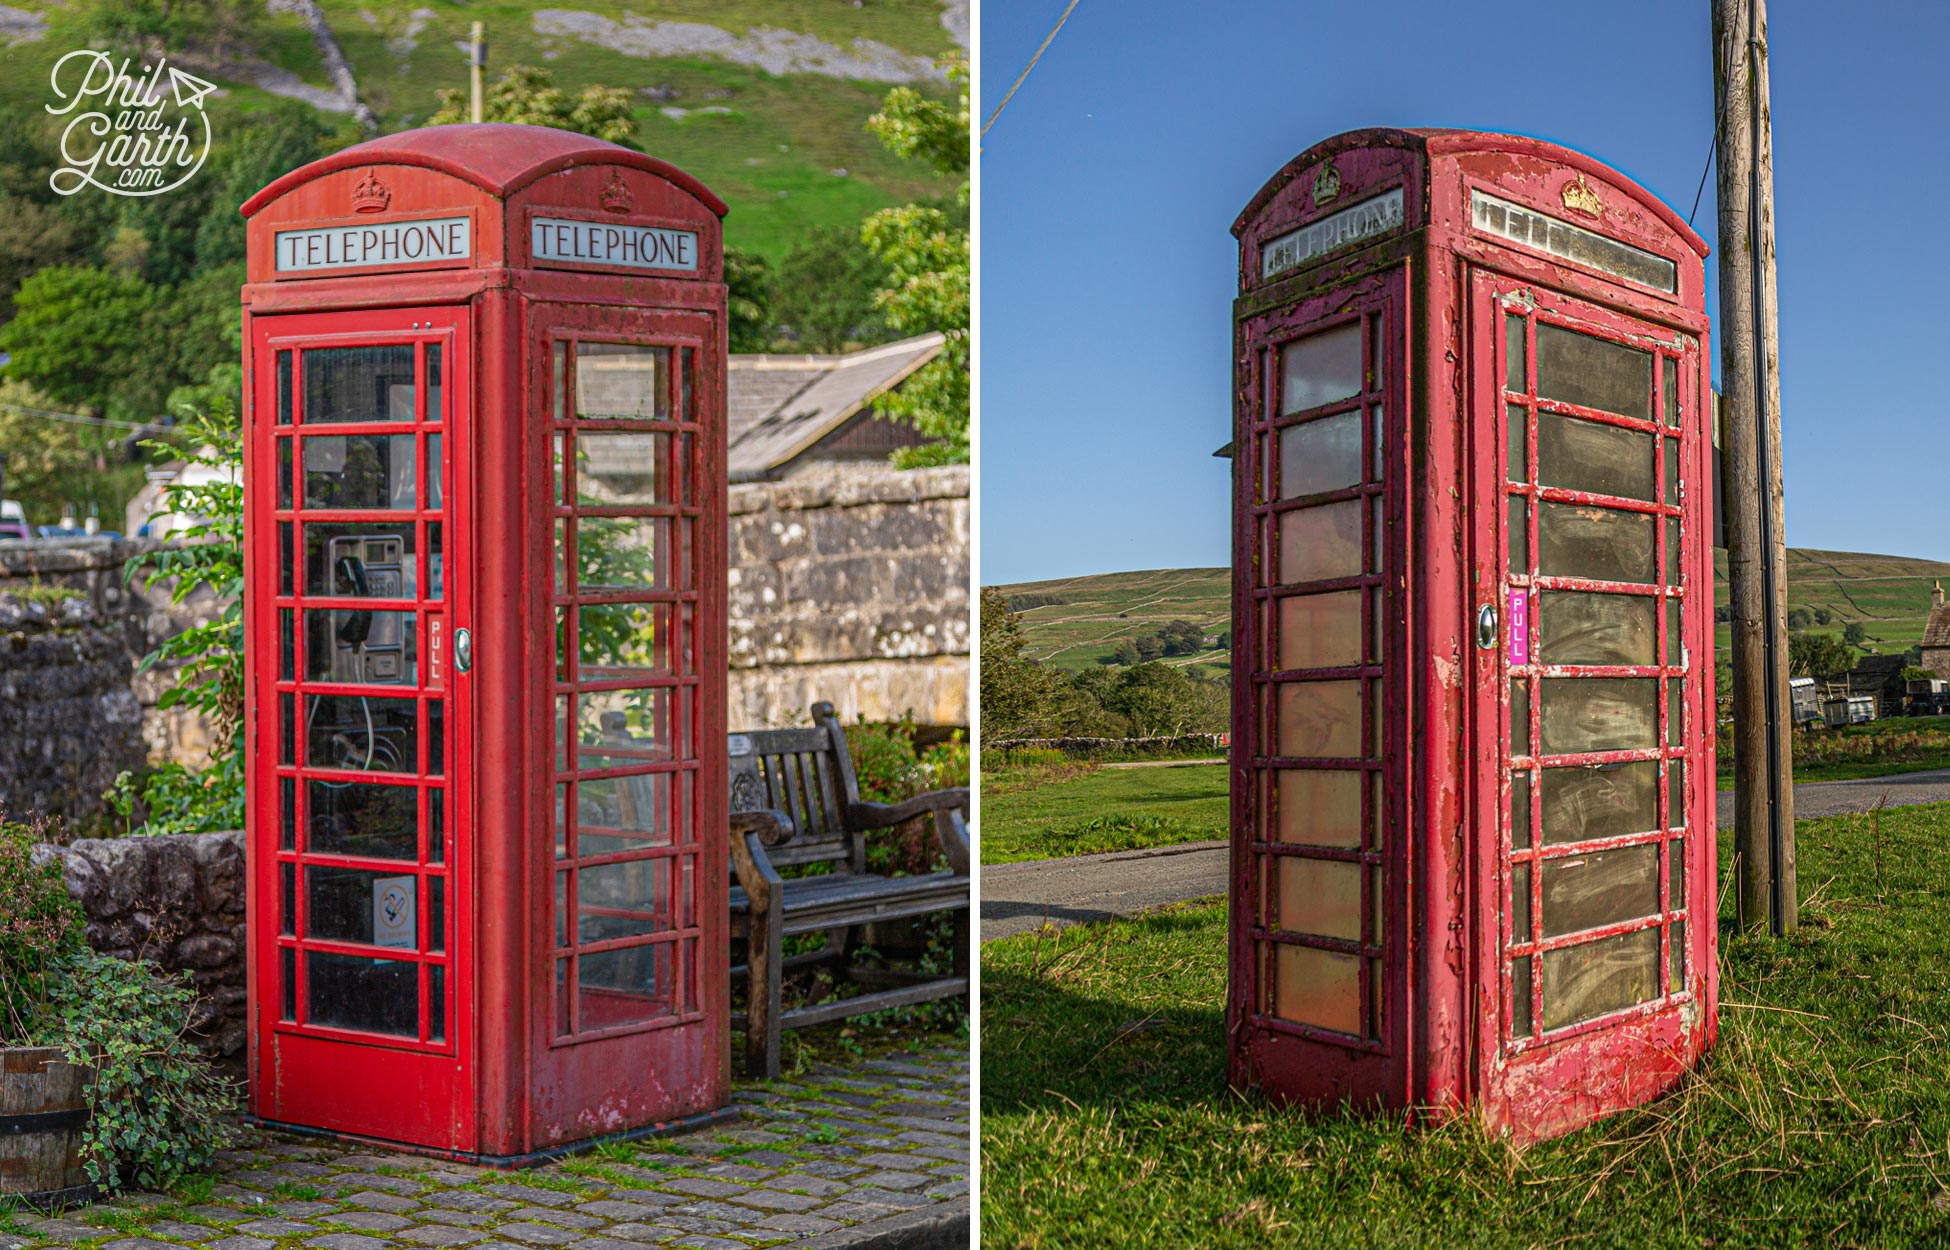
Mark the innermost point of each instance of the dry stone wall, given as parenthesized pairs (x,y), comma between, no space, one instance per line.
(178,901)
(68,720)
(851,588)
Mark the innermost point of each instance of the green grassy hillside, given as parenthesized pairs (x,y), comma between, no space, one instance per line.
(1074,623)
(789,151)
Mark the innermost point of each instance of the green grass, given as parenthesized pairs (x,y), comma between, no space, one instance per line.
(1104,809)
(775,157)
(1822,1118)
(1884,748)
(1890,595)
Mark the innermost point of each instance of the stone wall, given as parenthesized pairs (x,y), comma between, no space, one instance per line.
(68,720)
(177,900)
(141,617)
(851,588)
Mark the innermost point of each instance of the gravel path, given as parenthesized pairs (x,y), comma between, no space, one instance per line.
(1017,898)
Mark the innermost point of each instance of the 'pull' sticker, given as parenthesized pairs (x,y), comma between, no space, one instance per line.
(1519,619)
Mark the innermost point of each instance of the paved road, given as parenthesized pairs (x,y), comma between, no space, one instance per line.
(1019,897)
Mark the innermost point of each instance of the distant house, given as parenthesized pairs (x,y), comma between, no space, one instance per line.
(1936,635)
(790,414)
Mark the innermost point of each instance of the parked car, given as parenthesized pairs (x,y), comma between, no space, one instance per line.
(15,530)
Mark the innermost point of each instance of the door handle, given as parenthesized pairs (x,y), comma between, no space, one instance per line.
(1485,626)
(463,650)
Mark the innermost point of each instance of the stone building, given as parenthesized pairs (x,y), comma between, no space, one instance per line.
(1936,635)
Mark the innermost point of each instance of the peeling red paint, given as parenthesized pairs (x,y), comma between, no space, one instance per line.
(1430,1034)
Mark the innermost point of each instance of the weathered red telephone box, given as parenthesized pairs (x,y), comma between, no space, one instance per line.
(1473,798)
(485,643)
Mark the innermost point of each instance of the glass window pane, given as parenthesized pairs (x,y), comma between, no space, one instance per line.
(1676,793)
(1613,973)
(1520,902)
(436,914)
(360,560)
(1675,711)
(623,900)
(625,986)
(1519,532)
(1518,436)
(1320,988)
(1513,361)
(1320,543)
(1598,714)
(1671,388)
(1599,802)
(622,381)
(1377,358)
(436,561)
(1603,544)
(284,388)
(361,471)
(288,738)
(434,377)
(436,1002)
(287,644)
(1319,896)
(558,379)
(287,812)
(288,982)
(1520,716)
(361,819)
(1676,955)
(618,728)
(623,814)
(284,473)
(1320,631)
(1593,373)
(1672,551)
(1520,997)
(623,470)
(1520,808)
(361,905)
(434,464)
(359,992)
(288,899)
(436,825)
(1676,874)
(1672,472)
(1587,891)
(1318,807)
(1595,457)
(1320,720)
(1583,627)
(362,734)
(1320,455)
(620,641)
(359,384)
(355,645)
(284,557)
(1378,438)
(1321,368)
(623,553)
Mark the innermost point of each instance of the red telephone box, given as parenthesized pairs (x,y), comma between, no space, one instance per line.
(487,905)
(1473,798)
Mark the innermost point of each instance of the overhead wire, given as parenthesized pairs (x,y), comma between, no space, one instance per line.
(1025,69)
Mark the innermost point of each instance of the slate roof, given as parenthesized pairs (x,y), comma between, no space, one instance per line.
(1936,633)
(780,406)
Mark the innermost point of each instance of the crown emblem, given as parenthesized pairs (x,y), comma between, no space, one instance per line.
(1327,185)
(371,195)
(1579,197)
(616,196)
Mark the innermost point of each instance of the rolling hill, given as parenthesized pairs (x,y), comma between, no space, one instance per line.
(1074,623)
(766,101)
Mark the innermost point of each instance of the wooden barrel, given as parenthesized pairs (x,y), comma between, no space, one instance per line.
(43,1109)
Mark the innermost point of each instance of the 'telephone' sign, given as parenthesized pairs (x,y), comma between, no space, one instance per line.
(382,243)
(570,242)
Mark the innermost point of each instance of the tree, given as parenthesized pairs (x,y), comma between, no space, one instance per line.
(748,315)
(1817,655)
(927,260)
(1149,647)
(527,96)
(1124,653)
(218,29)
(1855,634)
(46,459)
(87,336)
(826,289)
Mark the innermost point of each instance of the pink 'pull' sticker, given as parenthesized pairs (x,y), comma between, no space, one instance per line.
(1519,627)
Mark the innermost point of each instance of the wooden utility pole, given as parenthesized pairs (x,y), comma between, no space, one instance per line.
(1750,376)
(476,66)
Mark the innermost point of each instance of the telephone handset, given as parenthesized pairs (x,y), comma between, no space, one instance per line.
(355,626)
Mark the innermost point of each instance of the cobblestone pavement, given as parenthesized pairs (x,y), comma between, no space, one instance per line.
(866,1152)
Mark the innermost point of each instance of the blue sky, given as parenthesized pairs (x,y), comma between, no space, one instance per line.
(1110,184)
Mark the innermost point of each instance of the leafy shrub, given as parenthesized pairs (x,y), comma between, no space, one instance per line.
(39,922)
(210,657)
(157,1110)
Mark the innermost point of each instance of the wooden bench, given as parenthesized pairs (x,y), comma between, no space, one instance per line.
(795,801)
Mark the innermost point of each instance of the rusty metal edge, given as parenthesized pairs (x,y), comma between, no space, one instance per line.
(941,1227)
